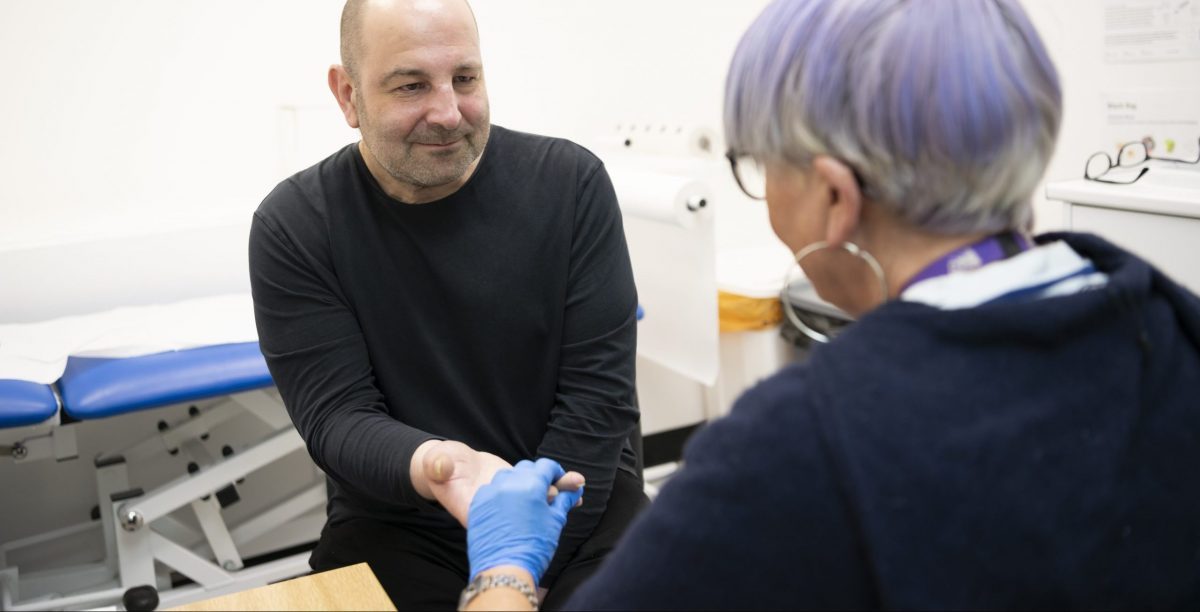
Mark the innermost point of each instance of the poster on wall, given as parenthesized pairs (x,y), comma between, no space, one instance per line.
(1151,30)
(1167,121)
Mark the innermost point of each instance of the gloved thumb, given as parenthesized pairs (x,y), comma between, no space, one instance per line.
(564,501)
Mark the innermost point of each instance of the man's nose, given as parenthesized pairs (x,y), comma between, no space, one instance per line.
(443,108)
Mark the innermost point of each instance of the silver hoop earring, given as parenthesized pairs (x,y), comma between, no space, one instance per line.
(788,308)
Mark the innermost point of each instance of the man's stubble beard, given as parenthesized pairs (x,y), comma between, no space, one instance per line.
(399,160)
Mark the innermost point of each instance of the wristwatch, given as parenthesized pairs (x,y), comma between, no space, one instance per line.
(482,583)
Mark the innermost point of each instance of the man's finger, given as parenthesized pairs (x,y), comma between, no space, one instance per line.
(570,481)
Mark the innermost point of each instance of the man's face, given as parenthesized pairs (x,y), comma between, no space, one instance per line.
(420,96)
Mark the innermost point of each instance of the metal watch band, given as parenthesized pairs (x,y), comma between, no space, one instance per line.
(483,583)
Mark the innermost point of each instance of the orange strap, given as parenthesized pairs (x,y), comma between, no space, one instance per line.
(740,313)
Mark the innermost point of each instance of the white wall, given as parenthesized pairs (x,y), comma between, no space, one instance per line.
(591,71)
(125,116)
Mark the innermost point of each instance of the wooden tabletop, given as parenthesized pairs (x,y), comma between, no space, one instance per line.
(348,588)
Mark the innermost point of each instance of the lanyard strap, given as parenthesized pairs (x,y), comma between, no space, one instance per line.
(973,256)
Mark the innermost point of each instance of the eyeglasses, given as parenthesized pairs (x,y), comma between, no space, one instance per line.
(1101,162)
(1136,153)
(749,173)
(751,176)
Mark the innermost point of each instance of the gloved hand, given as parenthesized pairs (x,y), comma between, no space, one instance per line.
(510,521)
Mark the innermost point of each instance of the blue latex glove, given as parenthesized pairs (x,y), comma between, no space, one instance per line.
(510,523)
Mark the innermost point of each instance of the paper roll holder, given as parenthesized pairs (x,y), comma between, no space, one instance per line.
(695,203)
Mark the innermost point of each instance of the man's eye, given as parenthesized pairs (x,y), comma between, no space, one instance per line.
(410,87)
(465,79)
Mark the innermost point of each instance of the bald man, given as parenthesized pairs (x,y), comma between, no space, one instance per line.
(448,289)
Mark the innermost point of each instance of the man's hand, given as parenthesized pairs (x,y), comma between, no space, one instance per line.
(450,472)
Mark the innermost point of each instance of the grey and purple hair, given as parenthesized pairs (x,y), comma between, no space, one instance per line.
(947,109)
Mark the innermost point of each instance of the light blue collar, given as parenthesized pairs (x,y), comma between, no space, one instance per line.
(1041,272)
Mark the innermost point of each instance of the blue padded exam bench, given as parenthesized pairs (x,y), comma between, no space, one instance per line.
(25,403)
(94,388)
(29,421)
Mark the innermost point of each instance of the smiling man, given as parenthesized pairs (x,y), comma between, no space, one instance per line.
(446,290)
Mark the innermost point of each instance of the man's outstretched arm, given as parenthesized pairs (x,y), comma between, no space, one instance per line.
(594,411)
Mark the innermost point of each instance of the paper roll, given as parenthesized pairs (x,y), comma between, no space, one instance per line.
(660,197)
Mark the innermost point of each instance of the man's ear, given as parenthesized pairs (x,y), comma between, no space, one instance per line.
(342,87)
(845,198)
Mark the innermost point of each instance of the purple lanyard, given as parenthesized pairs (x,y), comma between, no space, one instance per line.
(973,256)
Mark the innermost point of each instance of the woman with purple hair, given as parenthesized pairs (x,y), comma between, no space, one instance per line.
(1012,422)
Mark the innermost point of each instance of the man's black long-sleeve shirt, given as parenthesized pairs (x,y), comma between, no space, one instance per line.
(502,316)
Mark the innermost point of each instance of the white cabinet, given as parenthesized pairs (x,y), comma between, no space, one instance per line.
(1171,243)
(1158,217)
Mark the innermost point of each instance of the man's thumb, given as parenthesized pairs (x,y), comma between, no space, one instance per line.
(439,468)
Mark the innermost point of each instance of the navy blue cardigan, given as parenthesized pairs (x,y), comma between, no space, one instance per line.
(1035,454)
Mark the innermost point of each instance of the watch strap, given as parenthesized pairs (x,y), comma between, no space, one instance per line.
(482,583)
